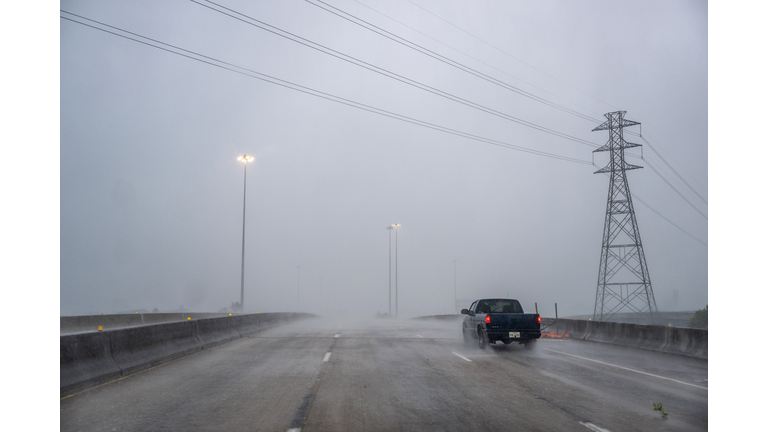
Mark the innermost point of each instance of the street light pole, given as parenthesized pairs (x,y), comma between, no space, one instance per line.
(245,159)
(396,298)
(298,288)
(455,300)
(390,269)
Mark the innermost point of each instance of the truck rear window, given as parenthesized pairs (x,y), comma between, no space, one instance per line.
(499,306)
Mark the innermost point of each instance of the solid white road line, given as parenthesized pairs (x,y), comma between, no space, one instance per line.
(327,357)
(460,356)
(631,370)
(420,336)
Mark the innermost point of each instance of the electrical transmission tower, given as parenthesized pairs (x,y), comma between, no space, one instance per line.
(623,281)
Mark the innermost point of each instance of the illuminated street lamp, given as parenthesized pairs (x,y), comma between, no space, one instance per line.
(244,159)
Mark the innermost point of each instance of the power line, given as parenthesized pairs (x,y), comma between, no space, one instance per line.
(384,72)
(507,54)
(636,197)
(468,55)
(539,70)
(661,176)
(312,92)
(355,61)
(648,163)
(303,89)
(679,166)
(405,42)
(670,166)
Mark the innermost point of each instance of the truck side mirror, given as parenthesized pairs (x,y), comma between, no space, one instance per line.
(465,312)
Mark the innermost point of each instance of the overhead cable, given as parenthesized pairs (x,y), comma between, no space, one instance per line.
(507,54)
(389,74)
(303,89)
(306,90)
(636,197)
(543,72)
(405,42)
(670,166)
(470,56)
(673,188)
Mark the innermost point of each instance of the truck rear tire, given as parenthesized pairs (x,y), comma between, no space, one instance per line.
(482,340)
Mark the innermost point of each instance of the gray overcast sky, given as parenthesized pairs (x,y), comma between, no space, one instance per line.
(151,193)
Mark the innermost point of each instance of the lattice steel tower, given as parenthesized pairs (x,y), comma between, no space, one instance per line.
(623,281)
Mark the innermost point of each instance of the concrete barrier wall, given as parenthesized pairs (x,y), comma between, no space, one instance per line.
(676,340)
(688,340)
(92,358)
(577,328)
(83,323)
(249,324)
(215,331)
(446,317)
(86,359)
(137,348)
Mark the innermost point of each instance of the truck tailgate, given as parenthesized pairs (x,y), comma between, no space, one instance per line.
(513,321)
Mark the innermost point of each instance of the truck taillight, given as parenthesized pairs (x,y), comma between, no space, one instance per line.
(539,318)
(487,319)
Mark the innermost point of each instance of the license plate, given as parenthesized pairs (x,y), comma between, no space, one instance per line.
(514,334)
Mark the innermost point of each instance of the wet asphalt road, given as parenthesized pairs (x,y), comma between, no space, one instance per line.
(407,375)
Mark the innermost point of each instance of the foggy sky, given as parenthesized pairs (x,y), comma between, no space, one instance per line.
(151,193)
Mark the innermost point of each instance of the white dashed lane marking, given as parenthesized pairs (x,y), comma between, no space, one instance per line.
(594,427)
(460,356)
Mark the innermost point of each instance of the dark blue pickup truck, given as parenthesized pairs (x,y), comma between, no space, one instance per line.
(491,320)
